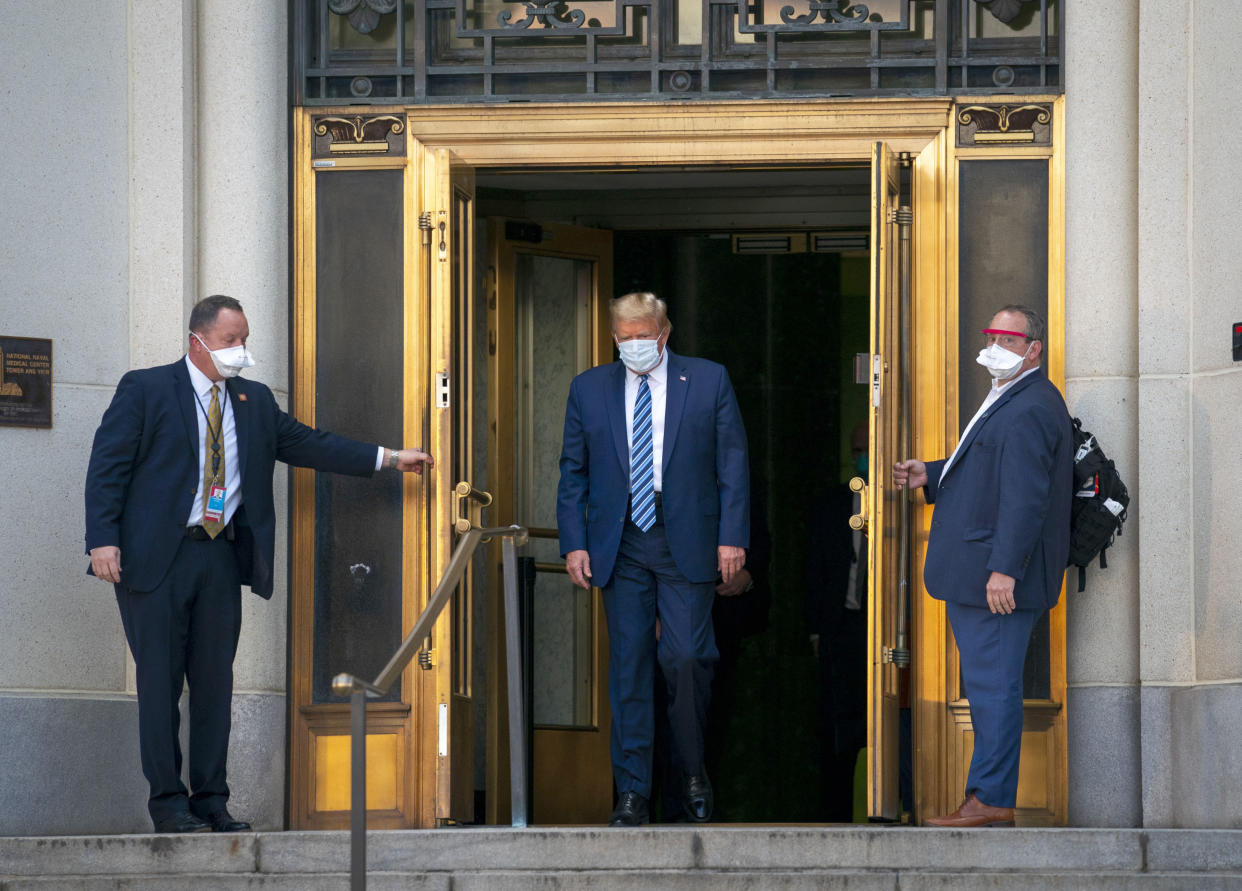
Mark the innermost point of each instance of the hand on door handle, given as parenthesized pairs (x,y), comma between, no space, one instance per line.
(859,520)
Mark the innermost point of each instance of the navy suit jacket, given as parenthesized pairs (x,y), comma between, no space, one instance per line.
(1004,504)
(144,471)
(705,484)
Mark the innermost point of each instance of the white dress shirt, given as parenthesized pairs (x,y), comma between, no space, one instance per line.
(989,400)
(657,383)
(201,384)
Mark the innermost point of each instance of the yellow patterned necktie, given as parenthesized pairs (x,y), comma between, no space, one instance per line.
(213,468)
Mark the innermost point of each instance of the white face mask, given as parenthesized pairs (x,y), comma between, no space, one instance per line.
(640,356)
(229,361)
(999,362)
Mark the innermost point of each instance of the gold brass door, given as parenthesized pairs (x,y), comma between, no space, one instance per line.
(884,504)
(547,321)
(446,228)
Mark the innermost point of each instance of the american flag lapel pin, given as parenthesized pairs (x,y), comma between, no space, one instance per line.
(241,397)
(681,376)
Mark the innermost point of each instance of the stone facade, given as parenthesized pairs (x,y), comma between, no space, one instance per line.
(163,180)
(166,180)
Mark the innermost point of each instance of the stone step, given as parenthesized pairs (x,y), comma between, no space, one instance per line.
(678,857)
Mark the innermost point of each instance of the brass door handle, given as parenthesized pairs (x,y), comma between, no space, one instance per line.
(468,504)
(859,520)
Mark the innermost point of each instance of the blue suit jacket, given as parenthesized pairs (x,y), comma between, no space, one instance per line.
(706,486)
(144,472)
(1004,504)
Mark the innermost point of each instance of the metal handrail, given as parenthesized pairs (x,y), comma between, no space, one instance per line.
(357,690)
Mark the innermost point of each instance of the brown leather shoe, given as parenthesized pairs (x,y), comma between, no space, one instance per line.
(972,813)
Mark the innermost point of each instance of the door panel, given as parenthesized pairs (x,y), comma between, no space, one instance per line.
(548,322)
(448,236)
(885,505)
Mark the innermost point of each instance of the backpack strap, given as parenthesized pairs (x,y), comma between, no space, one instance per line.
(1082,579)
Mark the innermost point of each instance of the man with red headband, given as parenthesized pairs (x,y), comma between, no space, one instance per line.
(998,547)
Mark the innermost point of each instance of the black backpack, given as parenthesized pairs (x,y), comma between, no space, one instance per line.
(1099,504)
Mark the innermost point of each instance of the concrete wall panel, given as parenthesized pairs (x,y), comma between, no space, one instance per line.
(1205,759)
(1103,622)
(70,631)
(1101,173)
(63,245)
(1166,573)
(1105,773)
(162,176)
(1216,456)
(244,170)
(1164,238)
(1216,219)
(56,778)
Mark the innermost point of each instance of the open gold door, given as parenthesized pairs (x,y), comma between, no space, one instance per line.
(446,233)
(549,286)
(886,510)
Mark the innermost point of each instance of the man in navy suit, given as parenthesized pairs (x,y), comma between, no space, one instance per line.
(998,546)
(179,515)
(653,502)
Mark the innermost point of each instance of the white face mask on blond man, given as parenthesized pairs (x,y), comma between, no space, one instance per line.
(640,356)
(229,361)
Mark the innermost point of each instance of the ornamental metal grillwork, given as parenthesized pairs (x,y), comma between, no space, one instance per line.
(441,51)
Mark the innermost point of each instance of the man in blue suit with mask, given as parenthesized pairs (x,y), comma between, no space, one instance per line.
(179,515)
(653,504)
(998,546)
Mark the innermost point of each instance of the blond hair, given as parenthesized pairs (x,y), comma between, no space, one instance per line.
(640,305)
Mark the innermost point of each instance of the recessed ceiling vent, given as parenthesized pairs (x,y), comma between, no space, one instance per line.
(832,241)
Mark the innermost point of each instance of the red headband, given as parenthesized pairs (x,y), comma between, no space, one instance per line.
(1003,331)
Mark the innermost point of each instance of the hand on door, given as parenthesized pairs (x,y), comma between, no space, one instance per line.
(406,460)
(911,472)
(578,563)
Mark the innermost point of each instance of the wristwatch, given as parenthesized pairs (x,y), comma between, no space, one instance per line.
(392,458)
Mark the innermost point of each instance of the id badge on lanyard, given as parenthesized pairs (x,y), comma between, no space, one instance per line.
(214,511)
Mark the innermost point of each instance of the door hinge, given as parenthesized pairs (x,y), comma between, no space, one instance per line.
(898,656)
(424,225)
(442,389)
(426,659)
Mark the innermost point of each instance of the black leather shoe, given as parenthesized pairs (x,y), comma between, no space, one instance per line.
(631,810)
(182,821)
(222,821)
(697,799)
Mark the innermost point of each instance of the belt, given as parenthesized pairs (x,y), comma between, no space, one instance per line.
(198,533)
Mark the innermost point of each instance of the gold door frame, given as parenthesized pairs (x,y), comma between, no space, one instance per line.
(742,134)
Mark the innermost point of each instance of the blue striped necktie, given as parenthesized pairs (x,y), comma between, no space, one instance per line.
(642,467)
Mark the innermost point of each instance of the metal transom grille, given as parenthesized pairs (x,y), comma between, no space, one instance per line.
(436,51)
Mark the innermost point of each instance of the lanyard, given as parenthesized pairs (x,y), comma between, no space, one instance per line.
(216,435)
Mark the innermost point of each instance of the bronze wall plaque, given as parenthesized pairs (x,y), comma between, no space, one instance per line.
(25,382)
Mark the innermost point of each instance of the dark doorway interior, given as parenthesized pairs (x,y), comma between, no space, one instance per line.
(787,327)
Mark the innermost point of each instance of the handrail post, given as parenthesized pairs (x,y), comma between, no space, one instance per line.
(513,666)
(358,690)
(358,790)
